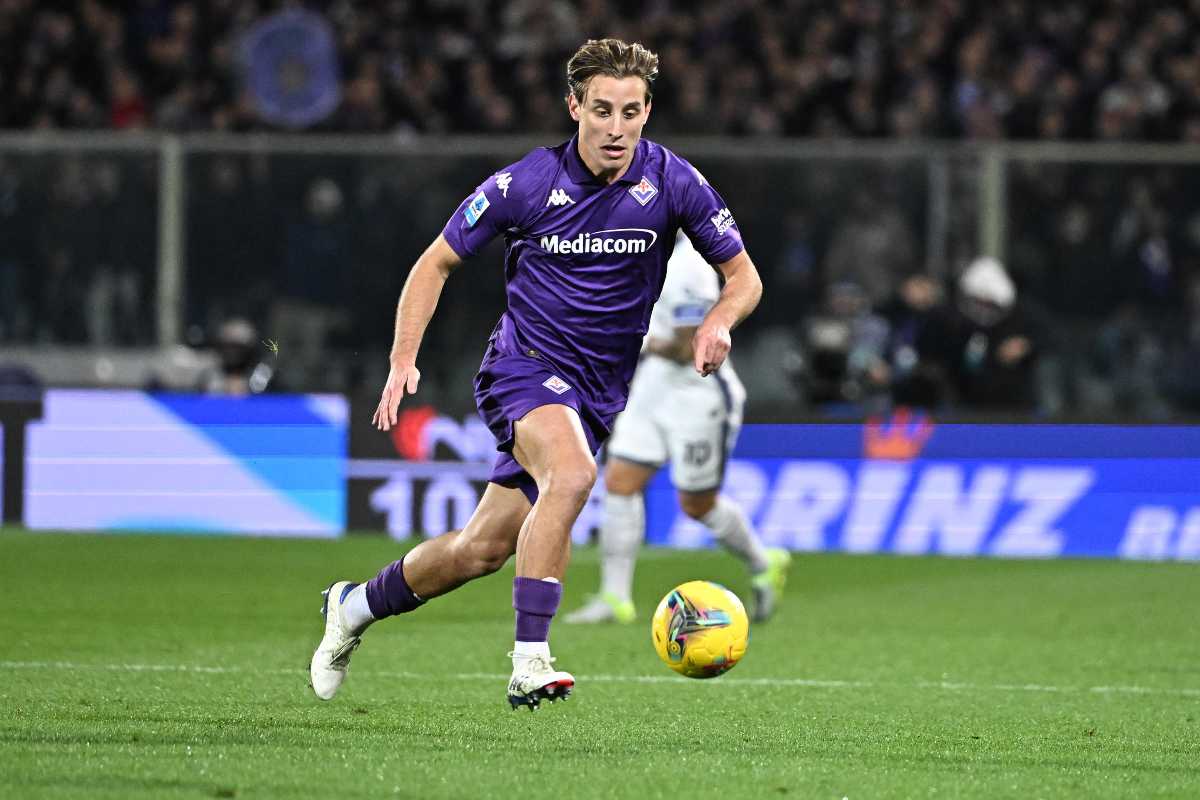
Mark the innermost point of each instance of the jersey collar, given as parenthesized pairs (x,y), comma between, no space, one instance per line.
(579,172)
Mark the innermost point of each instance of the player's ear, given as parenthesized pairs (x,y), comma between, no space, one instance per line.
(573,106)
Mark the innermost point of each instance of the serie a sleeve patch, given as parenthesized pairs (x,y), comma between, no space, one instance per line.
(474,210)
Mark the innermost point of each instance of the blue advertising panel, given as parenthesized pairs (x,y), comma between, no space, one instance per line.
(905,486)
(128,460)
(1001,490)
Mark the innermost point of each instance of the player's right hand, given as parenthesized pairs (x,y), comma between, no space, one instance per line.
(402,379)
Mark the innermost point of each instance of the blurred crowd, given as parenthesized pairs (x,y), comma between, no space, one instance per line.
(75,234)
(1021,69)
(1095,312)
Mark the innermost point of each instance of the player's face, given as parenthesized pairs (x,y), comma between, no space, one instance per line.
(610,118)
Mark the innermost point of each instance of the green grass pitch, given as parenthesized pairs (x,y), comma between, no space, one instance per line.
(172,666)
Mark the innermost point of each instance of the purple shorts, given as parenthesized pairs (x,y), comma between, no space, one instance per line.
(507,387)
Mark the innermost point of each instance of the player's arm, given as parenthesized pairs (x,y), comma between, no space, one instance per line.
(739,296)
(678,348)
(418,300)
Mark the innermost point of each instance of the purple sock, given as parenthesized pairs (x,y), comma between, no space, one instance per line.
(388,593)
(536,601)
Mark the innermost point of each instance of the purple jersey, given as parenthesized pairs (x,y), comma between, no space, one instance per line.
(584,260)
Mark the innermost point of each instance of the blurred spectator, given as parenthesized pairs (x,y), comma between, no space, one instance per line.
(240,370)
(123,270)
(839,356)
(1126,358)
(991,342)
(916,318)
(127,108)
(310,295)
(230,260)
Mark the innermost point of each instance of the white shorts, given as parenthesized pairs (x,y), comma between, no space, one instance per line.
(692,423)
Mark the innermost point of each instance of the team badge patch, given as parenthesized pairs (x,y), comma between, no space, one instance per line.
(474,210)
(644,192)
(556,384)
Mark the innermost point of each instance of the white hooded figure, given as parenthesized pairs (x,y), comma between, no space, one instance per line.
(987,293)
(994,340)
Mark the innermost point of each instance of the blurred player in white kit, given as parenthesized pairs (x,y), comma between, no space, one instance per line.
(676,415)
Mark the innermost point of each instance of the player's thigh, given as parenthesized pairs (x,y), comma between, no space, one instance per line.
(699,439)
(549,442)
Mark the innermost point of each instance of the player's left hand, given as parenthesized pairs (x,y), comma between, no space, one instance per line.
(710,346)
(402,379)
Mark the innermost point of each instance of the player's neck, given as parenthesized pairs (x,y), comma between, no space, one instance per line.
(609,176)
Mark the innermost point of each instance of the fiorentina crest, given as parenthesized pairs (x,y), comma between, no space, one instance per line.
(644,192)
(556,384)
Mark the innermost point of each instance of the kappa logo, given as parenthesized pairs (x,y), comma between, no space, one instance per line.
(502,182)
(559,197)
(722,221)
(556,384)
(474,210)
(644,192)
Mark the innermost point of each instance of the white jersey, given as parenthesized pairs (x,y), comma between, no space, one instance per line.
(675,414)
(689,291)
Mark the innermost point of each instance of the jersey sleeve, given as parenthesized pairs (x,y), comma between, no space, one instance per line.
(495,206)
(702,214)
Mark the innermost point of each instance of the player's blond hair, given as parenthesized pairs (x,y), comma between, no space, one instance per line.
(611,57)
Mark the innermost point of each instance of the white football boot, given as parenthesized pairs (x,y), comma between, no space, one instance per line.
(534,680)
(332,659)
(768,585)
(602,608)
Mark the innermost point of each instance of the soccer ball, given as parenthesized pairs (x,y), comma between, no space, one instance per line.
(700,629)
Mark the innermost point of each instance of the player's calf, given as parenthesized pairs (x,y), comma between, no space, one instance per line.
(475,557)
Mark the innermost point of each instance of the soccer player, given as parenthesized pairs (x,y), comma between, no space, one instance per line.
(588,226)
(675,415)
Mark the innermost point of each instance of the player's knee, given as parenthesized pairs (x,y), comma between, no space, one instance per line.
(616,481)
(697,504)
(572,481)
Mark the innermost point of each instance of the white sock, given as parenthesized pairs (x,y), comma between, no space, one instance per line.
(355,609)
(523,650)
(621,535)
(730,525)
